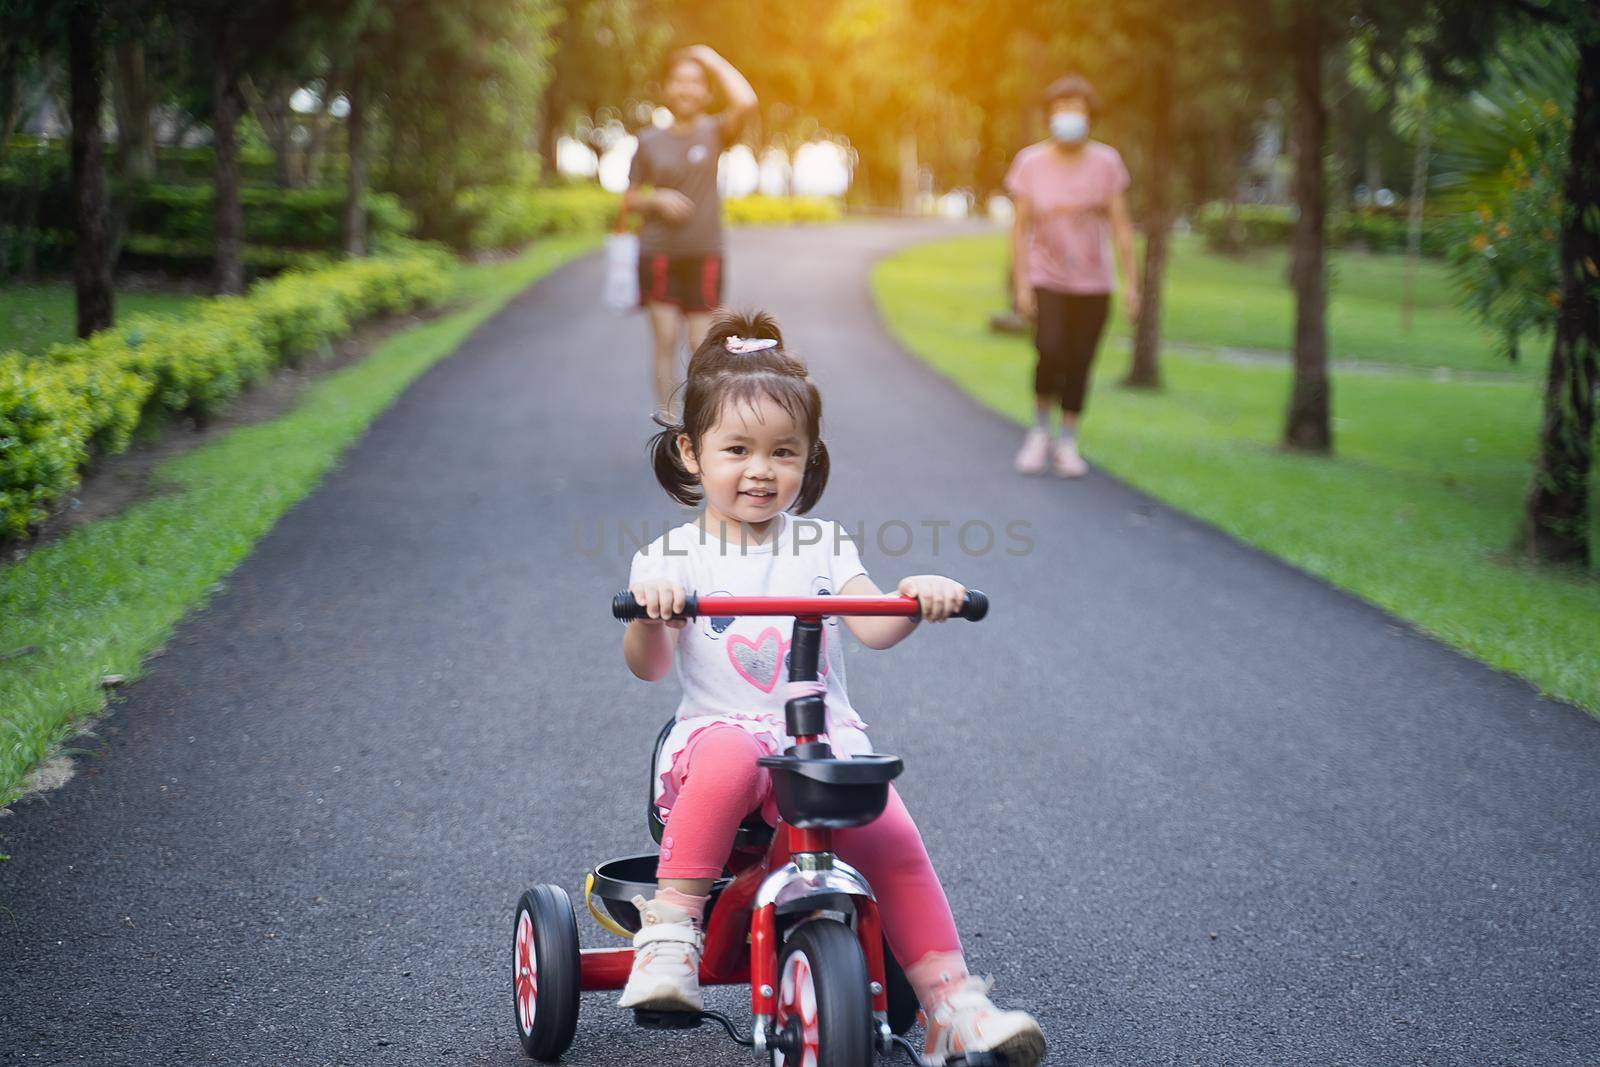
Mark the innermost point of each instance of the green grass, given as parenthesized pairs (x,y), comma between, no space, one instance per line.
(96,602)
(34,317)
(1244,302)
(1416,513)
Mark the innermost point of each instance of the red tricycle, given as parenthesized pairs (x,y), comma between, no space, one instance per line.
(788,917)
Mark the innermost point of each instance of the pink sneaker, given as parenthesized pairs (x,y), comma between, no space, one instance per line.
(666,960)
(1034,453)
(968,1021)
(1065,460)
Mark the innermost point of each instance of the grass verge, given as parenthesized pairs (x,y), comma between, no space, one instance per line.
(1245,302)
(98,601)
(34,317)
(1415,513)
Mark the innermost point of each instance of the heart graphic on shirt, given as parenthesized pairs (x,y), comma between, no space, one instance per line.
(759,661)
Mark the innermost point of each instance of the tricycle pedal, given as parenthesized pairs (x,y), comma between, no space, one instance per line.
(651,1019)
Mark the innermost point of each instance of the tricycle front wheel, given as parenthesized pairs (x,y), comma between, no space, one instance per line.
(824,1012)
(544,971)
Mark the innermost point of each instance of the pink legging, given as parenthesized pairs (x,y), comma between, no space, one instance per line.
(722,784)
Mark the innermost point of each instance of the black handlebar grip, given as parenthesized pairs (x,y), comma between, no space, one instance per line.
(975,607)
(625,607)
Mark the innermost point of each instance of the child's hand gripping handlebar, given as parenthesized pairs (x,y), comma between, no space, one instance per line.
(975,607)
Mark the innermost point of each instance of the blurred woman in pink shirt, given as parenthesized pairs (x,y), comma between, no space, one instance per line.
(1068,193)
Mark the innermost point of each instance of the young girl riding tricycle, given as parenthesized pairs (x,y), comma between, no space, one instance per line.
(850,860)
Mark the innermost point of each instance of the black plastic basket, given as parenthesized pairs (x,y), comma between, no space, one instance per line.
(817,793)
(616,882)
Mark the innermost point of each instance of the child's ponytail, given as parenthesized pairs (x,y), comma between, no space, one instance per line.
(815,481)
(726,331)
(668,464)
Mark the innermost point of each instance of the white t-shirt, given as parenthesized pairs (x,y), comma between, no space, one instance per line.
(735,669)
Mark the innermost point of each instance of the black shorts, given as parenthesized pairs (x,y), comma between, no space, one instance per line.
(693,283)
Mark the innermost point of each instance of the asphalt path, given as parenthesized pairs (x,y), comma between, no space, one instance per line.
(1190,805)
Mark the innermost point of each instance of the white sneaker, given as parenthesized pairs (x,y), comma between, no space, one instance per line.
(967,1021)
(1034,453)
(1066,462)
(666,960)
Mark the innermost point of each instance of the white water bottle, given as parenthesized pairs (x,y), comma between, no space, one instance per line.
(622,272)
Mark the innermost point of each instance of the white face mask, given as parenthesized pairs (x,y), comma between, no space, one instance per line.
(1069,127)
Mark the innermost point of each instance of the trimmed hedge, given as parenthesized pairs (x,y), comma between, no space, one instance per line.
(286,218)
(88,397)
(194,164)
(761,210)
(194,259)
(494,218)
(171,227)
(1269,225)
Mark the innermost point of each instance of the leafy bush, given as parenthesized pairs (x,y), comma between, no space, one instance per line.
(171,227)
(113,392)
(761,210)
(88,397)
(1503,168)
(173,164)
(1270,225)
(506,217)
(44,429)
(285,218)
(197,258)
(509,217)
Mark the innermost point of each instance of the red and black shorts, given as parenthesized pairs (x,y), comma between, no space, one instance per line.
(693,283)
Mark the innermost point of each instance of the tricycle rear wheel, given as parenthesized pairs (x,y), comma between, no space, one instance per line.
(545,971)
(824,1012)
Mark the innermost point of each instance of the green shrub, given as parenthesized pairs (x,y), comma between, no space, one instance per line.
(44,430)
(284,218)
(88,397)
(171,227)
(1269,225)
(761,210)
(197,258)
(506,217)
(173,164)
(114,392)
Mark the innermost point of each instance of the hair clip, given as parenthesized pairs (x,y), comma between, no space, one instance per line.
(738,345)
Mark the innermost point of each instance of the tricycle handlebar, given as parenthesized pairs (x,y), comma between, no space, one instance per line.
(624,606)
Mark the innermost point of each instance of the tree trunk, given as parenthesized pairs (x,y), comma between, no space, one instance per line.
(1307,428)
(355,202)
(909,184)
(91,213)
(10,111)
(270,103)
(550,116)
(1145,369)
(1371,165)
(1555,525)
(311,159)
(1419,193)
(136,134)
(227,103)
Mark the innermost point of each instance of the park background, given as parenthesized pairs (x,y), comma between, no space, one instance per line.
(231,234)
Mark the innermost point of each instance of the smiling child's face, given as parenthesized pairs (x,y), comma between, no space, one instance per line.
(751,463)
